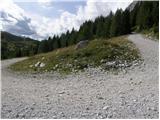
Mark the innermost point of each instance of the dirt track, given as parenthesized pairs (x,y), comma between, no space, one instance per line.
(91,94)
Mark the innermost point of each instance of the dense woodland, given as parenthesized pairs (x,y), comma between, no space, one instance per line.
(144,16)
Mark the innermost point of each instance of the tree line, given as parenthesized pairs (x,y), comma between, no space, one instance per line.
(145,15)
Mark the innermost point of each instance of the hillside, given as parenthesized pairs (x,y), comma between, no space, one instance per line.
(142,17)
(112,53)
(16,46)
(139,16)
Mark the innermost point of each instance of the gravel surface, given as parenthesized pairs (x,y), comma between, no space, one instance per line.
(132,93)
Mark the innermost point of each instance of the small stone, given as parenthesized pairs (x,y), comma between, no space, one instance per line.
(9,111)
(17,116)
(139,82)
(98,114)
(41,65)
(110,116)
(32,108)
(131,79)
(54,117)
(105,107)
(154,109)
(131,89)
(134,100)
(100,117)
(37,64)
(101,98)
(46,95)
(61,92)
(34,104)
(56,66)
(34,76)
(102,61)
(148,108)
(22,115)
(131,82)
(87,108)
(81,44)
(152,95)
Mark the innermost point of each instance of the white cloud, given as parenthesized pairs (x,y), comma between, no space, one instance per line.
(45,3)
(14,19)
(44,27)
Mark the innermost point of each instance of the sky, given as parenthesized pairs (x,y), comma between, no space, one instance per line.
(40,19)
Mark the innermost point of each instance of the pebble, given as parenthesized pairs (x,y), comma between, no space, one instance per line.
(100,98)
(105,107)
(87,108)
(110,116)
(61,92)
(148,108)
(134,100)
(47,95)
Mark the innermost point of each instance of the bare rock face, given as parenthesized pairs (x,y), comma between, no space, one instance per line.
(81,44)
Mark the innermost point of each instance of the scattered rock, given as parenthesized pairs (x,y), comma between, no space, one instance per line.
(54,117)
(134,100)
(9,111)
(111,64)
(41,65)
(61,92)
(105,107)
(46,95)
(139,82)
(56,66)
(87,108)
(37,64)
(102,61)
(81,44)
(110,116)
(98,114)
(148,108)
(34,76)
(154,109)
(131,89)
(100,98)
(34,104)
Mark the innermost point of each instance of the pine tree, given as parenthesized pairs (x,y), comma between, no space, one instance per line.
(43,47)
(116,24)
(126,27)
(107,25)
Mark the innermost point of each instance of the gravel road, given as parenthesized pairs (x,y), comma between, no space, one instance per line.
(91,94)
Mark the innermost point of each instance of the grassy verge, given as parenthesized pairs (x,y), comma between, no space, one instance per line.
(99,52)
(152,33)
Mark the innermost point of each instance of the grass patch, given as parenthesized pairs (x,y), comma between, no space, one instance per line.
(96,53)
(152,33)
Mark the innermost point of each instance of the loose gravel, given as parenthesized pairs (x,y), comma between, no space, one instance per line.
(131,93)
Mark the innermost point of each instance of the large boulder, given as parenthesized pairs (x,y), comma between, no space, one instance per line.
(81,44)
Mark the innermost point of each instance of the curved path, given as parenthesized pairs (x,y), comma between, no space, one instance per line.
(91,94)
